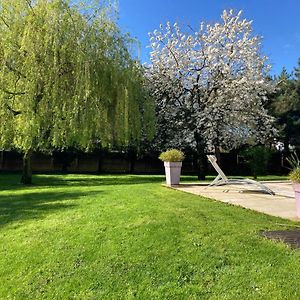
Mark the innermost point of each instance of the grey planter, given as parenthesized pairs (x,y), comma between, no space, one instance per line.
(173,171)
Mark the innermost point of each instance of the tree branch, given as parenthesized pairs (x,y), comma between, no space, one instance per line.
(15,112)
(14,70)
(3,20)
(12,93)
(29,4)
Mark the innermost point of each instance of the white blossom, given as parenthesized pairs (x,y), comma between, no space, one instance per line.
(213,81)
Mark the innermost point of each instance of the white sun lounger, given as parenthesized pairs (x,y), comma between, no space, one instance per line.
(221,179)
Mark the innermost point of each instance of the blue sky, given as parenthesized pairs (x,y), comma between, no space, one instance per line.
(277,21)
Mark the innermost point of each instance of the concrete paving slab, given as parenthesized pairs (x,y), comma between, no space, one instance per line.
(282,204)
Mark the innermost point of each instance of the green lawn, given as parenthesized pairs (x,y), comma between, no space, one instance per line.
(127,237)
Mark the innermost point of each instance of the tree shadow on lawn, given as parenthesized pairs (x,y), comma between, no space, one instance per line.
(36,205)
(103,180)
(11,181)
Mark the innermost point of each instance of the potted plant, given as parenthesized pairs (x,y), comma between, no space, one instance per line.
(294,176)
(173,162)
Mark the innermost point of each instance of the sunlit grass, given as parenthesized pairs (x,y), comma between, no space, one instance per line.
(127,237)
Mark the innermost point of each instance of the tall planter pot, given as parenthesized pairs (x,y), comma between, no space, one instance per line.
(296,187)
(173,171)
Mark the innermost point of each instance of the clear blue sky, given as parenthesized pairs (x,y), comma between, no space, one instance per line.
(278,21)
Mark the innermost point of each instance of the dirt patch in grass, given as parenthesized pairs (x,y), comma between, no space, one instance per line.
(290,237)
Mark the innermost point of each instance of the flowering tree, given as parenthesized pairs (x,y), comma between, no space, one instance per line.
(66,79)
(211,83)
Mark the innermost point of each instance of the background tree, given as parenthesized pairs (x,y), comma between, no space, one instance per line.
(285,106)
(211,83)
(66,79)
(257,158)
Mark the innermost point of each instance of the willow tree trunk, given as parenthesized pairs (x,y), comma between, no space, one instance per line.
(132,156)
(27,171)
(100,161)
(2,160)
(201,157)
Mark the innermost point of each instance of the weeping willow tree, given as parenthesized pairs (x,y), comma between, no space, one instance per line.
(67,79)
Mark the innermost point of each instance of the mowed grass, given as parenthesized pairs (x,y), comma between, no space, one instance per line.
(127,237)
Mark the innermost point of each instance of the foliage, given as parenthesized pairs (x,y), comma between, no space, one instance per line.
(285,106)
(210,83)
(122,237)
(295,175)
(66,78)
(294,161)
(257,158)
(172,155)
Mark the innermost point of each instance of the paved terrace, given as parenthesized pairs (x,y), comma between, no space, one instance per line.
(282,204)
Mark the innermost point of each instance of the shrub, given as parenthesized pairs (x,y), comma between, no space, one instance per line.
(294,161)
(295,175)
(257,158)
(172,155)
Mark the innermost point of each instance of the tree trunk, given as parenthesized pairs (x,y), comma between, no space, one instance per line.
(286,143)
(27,172)
(76,163)
(218,154)
(2,160)
(201,157)
(100,161)
(132,156)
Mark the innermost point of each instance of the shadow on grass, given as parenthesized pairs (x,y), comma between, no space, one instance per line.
(36,205)
(12,181)
(101,180)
